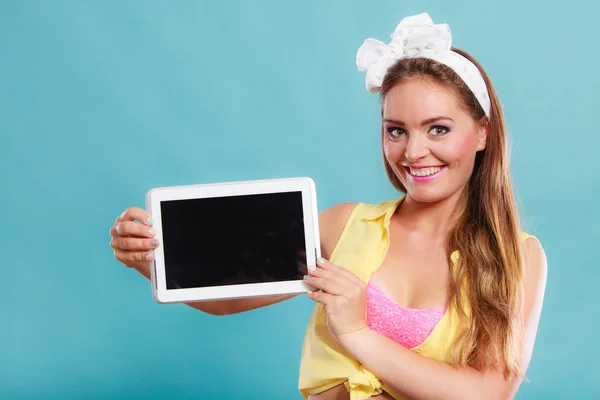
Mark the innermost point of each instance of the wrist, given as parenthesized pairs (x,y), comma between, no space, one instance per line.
(351,339)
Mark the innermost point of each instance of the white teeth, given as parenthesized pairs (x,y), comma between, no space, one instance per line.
(424,171)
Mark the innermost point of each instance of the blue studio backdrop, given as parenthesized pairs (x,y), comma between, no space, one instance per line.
(102,100)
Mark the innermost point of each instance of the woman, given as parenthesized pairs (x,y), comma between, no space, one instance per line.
(436,294)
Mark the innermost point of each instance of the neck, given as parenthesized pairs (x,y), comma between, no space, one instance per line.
(434,218)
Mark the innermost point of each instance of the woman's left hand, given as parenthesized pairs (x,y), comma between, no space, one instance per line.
(343,294)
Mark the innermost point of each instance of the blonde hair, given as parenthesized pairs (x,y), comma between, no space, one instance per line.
(486,235)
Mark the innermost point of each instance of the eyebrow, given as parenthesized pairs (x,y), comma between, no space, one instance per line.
(426,122)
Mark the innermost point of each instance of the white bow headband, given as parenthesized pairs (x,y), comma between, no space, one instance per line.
(417,36)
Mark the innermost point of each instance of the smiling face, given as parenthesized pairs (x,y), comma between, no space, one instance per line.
(429,140)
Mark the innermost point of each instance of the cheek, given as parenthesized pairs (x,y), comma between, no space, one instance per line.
(393,151)
(458,152)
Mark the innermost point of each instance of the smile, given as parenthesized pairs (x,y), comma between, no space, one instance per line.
(424,174)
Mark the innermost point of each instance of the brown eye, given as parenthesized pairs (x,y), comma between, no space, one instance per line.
(395,133)
(438,130)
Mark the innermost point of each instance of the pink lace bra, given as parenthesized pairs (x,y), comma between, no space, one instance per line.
(407,326)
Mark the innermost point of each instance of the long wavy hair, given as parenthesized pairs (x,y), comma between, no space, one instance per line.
(486,287)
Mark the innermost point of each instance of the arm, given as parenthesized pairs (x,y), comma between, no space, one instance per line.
(419,377)
(224,307)
(132,245)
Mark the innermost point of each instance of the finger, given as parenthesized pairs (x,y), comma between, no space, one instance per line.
(320,297)
(127,257)
(133,244)
(130,228)
(136,214)
(327,285)
(336,276)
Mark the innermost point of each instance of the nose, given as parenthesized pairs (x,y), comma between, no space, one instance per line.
(416,148)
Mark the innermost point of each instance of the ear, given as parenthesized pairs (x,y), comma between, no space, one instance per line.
(483,132)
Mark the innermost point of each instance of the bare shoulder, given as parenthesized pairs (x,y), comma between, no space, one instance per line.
(339,211)
(331,225)
(535,274)
(534,257)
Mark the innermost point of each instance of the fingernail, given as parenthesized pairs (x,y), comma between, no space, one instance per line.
(151,231)
(150,221)
(306,277)
(148,256)
(308,291)
(154,243)
(321,259)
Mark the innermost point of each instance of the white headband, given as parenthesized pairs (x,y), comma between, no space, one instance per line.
(417,36)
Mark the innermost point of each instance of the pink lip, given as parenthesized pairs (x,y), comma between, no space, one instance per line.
(424,178)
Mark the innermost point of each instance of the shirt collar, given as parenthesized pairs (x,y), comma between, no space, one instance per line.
(386,208)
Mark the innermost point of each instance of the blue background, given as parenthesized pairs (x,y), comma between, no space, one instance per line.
(101,101)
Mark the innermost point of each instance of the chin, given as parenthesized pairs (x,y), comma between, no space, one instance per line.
(427,195)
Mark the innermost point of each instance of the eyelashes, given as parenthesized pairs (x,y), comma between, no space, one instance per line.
(395,132)
(439,130)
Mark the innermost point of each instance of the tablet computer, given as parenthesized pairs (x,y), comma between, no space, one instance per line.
(234,239)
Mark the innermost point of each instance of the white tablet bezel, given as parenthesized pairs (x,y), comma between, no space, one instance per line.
(155,196)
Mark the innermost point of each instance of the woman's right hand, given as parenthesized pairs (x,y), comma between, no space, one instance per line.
(133,243)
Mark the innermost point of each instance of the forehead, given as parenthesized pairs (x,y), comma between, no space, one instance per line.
(418,99)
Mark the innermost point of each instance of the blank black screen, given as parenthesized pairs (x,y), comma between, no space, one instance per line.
(233,240)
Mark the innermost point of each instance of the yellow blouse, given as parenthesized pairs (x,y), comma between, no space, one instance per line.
(361,249)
